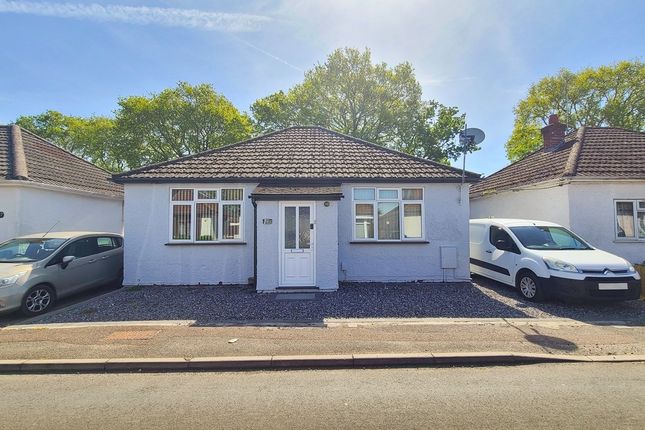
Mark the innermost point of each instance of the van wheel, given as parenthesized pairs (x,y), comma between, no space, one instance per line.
(38,300)
(529,286)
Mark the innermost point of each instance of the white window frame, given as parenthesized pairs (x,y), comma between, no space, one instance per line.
(193,214)
(635,210)
(401,203)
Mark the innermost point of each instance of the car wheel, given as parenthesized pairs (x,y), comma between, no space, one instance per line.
(38,300)
(529,286)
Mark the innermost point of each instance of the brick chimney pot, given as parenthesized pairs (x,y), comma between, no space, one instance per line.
(553,134)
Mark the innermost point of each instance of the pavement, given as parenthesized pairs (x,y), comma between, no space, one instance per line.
(177,345)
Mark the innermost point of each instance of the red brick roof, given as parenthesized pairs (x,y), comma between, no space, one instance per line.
(298,154)
(46,163)
(589,152)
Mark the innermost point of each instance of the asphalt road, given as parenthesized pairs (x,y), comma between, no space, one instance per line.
(584,395)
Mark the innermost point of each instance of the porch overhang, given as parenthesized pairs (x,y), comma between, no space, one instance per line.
(297,192)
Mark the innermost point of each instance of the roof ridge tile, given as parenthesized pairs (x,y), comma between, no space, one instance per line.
(574,155)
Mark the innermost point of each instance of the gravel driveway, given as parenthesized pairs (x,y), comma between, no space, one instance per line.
(210,305)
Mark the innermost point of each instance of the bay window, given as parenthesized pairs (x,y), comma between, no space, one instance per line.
(630,219)
(206,215)
(388,214)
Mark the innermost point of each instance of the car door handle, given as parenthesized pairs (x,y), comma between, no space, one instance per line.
(488,251)
(105,258)
(91,261)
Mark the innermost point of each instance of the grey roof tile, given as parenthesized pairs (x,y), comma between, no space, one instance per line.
(49,164)
(599,152)
(297,153)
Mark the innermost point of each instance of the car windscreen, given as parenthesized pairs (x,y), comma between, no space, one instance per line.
(27,250)
(548,238)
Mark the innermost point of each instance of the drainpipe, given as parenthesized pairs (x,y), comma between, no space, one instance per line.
(255,242)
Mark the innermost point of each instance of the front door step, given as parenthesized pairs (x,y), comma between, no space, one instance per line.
(295,296)
(290,290)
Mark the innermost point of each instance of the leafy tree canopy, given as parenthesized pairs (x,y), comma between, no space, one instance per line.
(611,96)
(374,102)
(173,123)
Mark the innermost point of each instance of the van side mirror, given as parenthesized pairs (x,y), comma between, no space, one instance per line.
(503,245)
(66,260)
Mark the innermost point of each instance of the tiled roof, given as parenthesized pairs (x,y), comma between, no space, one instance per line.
(4,152)
(298,154)
(48,164)
(304,192)
(598,152)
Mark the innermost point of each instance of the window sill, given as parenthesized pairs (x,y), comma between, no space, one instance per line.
(204,243)
(387,242)
(629,240)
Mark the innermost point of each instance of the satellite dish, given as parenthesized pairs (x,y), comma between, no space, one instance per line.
(469,139)
(472,136)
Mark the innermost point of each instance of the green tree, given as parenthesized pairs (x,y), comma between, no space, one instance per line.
(611,96)
(176,122)
(374,102)
(90,138)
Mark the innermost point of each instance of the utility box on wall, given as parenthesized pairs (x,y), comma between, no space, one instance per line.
(448,257)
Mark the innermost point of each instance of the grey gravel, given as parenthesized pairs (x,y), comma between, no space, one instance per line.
(212,305)
(631,311)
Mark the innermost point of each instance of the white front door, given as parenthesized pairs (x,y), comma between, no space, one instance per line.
(297,259)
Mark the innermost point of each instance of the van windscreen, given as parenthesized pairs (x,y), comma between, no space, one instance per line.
(551,238)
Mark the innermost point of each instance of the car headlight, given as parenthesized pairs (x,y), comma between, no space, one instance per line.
(560,265)
(10,280)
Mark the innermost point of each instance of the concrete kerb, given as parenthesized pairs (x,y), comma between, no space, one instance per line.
(330,322)
(125,365)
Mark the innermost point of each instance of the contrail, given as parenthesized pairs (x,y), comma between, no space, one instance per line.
(268,54)
(171,17)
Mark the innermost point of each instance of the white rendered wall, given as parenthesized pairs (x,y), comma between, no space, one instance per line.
(327,245)
(593,215)
(549,204)
(445,224)
(9,203)
(33,210)
(149,261)
(587,208)
(268,240)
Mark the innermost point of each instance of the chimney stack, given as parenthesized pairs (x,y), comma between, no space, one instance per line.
(553,134)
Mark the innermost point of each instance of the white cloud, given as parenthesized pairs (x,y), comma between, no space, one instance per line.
(143,15)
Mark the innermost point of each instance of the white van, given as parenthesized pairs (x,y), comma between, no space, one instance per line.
(543,259)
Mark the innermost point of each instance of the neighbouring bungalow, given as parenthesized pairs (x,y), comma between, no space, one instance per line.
(44,187)
(591,180)
(301,207)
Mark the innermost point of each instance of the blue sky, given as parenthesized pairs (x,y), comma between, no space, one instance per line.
(79,57)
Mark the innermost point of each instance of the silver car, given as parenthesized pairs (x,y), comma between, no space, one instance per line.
(38,269)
